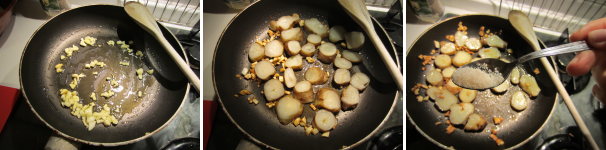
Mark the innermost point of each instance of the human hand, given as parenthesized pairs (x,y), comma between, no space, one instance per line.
(593,60)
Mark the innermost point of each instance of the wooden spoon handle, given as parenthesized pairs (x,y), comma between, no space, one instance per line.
(573,110)
(193,78)
(389,62)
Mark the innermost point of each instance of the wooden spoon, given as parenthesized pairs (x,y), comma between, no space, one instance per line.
(522,24)
(144,18)
(356,9)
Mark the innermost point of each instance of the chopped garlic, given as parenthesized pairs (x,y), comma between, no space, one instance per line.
(110,42)
(139,94)
(95,73)
(325,134)
(87,66)
(139,53)
(140,73)
(124,63)
(108,79)
(82,43)
(114,83)
(244,71)
(58,67)
(151,71)
(93,96)
(343,45)
(89,40)
(315,131)
(62,57)
(129,50)
(119,42)
(124,46)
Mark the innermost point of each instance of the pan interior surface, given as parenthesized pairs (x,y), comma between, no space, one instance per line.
(517,126)
(163,91)
(260,122)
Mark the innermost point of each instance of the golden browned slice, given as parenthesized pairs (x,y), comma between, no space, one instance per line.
(443,61)
(273,90)
(475,122)
(274,49)
(289,78)
(328,99)
(519,101)
(256,52)
(288,108)
(284,23)
(341,77)
(452,88)
(294,34)
(308,50)
(461,58)
(490,53)
(327,52)
(336,34)
(293,48)
(434,77)
(529,85)
(324,120)
(315,75)
(316,27)
(467,95)
(294,62)
(493,41)
(359,80)
(354,40)
(350,98)
(342,63)
(264,69)
(304,92)
(352,56)
(314,39)
(460,112)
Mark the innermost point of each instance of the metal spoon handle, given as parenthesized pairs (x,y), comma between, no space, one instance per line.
(560,49)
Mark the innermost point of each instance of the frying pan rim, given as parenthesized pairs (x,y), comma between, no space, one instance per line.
(397,94)
(90,142)
(444,146)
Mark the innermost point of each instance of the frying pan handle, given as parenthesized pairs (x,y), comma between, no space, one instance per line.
(57,142)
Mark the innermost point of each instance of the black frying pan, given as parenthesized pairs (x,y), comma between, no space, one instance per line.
(164,91)
(517,127)
(260,122)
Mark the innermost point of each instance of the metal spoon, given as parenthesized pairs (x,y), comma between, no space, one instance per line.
(504,68)
(144,18)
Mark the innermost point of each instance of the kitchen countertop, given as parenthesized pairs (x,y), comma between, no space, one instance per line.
(561,121)
(23,130)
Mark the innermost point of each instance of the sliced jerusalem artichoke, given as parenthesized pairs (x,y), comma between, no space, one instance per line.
(293,48)
(324,120)
(359,80)
(448,48)
(461,58)
(316,27)
(328,99)
(342,63)
(519,101)
(529,85)
(288,108)
(308,50)
(341,76)
(493,41)
(475,122)
(294,34)
(336,34)
(460,38)
(289,78)
(443,61)
(350,98)
(256,52)
(315,75)
(284,23)
(264,69)
(447,72)
(354,40)
(352,56)
(294,62)
(304,92)
(433,92)
(502,87)
(434,77)
(490,53)
(274,49)
(314,39)
(452,88)
(327,53)
(444,99)
(467,95)
(515,76)
(273,89)
(473,44)
(460,112)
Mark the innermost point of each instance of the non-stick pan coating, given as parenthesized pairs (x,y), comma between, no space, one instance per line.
(260,122)
(40,84)
(425,114)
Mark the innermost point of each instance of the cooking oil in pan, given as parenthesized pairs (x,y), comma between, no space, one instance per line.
(125,104)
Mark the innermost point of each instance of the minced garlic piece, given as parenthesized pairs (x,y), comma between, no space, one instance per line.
(315,131)
(89,40)
(110,43)
(124,46)
(62,57)
(119,42)
(140,73)
(93,96)
(139,94)
(139,53)
(95,73)
(58,67)
(310,60)
(151,71)
(114,83)
(343,45)
(124,63)
(108,94)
